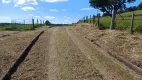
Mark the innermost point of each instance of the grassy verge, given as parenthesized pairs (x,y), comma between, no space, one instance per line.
(104,63)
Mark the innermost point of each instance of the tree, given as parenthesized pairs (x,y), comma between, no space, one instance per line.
(140,6)
(47,23)
(110,7)
(133,8)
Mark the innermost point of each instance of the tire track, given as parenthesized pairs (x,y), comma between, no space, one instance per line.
(72,63)
(110,69)
(53,68)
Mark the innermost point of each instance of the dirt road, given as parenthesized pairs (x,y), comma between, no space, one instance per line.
(61,54)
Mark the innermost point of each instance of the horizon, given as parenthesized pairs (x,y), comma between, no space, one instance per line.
(56,11)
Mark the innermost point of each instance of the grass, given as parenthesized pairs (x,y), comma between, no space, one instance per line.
(104,62)
(126,23)
(12,27)
(114,67)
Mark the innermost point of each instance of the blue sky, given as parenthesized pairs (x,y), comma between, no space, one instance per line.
(56,11)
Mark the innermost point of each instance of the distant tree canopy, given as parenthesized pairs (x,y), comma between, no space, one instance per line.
(134,8)
(110,7)
(47,22)
(140,6)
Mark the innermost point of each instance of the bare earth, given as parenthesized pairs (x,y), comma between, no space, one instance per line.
(120,42)
(61,54)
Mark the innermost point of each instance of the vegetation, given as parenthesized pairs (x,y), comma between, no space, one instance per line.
(120,18)
(140,6)
(124,24)
(18,27)
(110,7)
(123,21)
(48,23)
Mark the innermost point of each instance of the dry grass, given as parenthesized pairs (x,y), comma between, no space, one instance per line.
(106,64)
(123,43)
(12,45)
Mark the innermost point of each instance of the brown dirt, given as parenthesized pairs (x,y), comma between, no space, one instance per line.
(62,54)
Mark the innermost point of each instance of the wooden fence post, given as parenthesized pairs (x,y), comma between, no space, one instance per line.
(86,19)
(98,21)
(37,21)
(93,19)
(40,22)
(132,23)
(90,19)
(33,23)
(24,21)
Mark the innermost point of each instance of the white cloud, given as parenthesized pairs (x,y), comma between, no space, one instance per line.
(64,10)
(27,8)
(86,8)
(31,14)
(6,1)
(66,20)
(67,17)
(25,2)
(37,16)
(4,17)
(49,17)
(34,15)
(53,1)
(53,10)
(15,5)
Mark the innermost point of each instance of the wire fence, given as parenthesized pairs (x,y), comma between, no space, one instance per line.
(125,21)
(20,24)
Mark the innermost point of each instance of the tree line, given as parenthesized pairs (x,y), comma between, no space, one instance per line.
(134,8)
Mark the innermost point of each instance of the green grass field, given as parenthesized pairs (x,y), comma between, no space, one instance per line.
(126,23)
(13,27)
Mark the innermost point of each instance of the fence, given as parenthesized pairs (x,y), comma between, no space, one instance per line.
(20,24)
(126,21)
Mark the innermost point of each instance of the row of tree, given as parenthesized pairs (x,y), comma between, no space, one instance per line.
(133,8)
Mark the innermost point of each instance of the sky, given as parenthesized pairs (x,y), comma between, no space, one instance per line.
(56,11)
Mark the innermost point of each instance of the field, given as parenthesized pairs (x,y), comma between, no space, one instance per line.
(124,22)
(18,27)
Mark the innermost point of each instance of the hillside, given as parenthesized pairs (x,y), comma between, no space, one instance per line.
(123,22)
